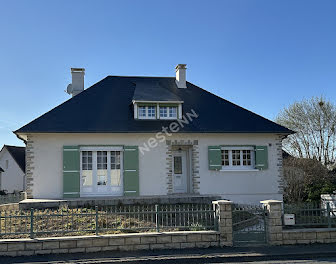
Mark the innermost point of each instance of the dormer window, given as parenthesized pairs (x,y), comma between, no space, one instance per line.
(147,112)
(168,112)
(155,110)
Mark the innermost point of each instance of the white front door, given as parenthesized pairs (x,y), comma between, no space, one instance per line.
(180,173)
(101,172)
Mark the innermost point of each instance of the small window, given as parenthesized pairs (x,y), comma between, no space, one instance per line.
(147,112)
(237,158)
(177,165)
(168,112)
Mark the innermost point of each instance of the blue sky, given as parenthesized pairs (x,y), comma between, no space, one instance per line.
(260,54)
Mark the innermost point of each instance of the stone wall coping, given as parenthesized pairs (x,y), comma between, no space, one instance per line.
(271,202)
(222,202)
(309,230)
(66,238)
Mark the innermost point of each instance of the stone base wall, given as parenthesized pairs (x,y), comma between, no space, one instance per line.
(122,242)
(9,207)
(309,236)
(276,235)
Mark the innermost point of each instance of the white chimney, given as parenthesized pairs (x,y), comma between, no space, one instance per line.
(181,75)
(77,85)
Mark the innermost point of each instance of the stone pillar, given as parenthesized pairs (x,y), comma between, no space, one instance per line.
(223,209)
(273,221)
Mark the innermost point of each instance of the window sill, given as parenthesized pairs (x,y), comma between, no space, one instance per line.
(248,170)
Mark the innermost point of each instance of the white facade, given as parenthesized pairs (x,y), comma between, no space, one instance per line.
(13,178)
(238,186)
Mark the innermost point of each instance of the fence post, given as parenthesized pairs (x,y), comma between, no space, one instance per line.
(157,211)
(328,212)
(223,210)
(273,221)
(31,222)
(96,207)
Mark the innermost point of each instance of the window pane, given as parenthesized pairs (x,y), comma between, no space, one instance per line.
(151,111)
(87,177)
(142,111)
(101,160)
(235,157)
(163,111)
(115,168)
(87,168)
(86,160)
(177,165)
(225,158)
(247,158)
(173,112)
(101,167)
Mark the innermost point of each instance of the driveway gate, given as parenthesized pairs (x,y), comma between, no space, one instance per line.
(249,224)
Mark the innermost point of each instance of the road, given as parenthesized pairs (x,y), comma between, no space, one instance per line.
(319,253)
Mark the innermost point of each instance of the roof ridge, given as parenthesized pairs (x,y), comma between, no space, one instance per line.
(134,76)
(5,145)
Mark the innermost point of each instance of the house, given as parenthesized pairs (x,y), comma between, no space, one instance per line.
(12,168)
(151,136)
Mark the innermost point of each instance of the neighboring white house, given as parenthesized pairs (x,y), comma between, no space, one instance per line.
(140,136)
(12,163)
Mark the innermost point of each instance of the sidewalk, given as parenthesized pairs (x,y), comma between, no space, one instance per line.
(211,255)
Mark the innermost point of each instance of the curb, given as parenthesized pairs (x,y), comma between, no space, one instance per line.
(209,258)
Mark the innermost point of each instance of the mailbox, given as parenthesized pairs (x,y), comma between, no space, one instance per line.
(289,219)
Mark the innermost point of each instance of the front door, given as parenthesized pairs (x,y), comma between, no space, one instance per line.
(180,172)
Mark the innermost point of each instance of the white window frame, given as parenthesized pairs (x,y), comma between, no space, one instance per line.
(147,111)
(168,117)
(241,167)
(110,189)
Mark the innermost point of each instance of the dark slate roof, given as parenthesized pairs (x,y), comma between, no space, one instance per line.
(286,155)
(106,107)
(153,91)
(19,155)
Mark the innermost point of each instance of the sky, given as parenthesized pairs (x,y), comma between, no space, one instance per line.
(262,55)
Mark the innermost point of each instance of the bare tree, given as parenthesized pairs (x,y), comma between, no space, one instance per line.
(305,180)
(314,122)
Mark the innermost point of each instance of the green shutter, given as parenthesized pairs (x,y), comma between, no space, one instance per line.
(215,158)
(71,171)
(131,171)
(261,157)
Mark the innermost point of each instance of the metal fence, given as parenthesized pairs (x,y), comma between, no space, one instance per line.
(311,214)
(12,198)
(107,219)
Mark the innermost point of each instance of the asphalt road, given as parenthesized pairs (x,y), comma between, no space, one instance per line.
(307,261)
(319,253)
